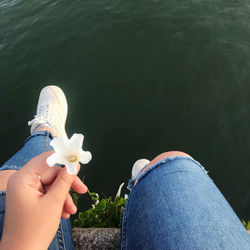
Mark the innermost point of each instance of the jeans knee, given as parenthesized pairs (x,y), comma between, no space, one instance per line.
(168,154)
(161,157)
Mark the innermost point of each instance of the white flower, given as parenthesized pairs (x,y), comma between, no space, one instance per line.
(125,196)
(97,201)
(69,152)
(119,191)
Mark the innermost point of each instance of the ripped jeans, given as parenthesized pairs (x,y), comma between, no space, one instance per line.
(35,145)
(173,204)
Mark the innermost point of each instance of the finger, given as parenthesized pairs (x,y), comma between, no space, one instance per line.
(65,215)
(37,165)
(49,176)
(39,185)
(69,206)
(27,181)
(79,186)
(60,187)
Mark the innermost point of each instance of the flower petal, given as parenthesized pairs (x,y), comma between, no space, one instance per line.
(71,168)
(76,141)
(68,152)
(85,157)
(52,160)
(119,191)
(56,159)
(59,144)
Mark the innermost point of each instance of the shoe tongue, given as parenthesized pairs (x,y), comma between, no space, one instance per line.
(43,107)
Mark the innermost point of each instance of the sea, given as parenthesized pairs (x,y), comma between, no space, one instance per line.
(141,78)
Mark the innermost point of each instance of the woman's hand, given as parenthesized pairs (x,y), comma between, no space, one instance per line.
(36,198)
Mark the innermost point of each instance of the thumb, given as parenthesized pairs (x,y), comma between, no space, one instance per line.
(60,187)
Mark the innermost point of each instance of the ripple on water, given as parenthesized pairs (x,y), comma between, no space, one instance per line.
(8,3)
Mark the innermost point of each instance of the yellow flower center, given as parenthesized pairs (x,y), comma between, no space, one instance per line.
(72,158)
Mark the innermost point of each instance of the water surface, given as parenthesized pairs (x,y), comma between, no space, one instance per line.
(141,78)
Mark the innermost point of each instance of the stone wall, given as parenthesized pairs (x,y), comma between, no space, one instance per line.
(96,238)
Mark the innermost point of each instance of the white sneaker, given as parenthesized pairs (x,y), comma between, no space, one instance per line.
(52,110)
(138,166)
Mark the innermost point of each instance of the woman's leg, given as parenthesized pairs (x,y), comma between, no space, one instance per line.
(49,120)
(35,145)
(173,204)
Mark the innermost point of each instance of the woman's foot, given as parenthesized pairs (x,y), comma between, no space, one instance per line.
(51,114)
(138,166)
(45,128)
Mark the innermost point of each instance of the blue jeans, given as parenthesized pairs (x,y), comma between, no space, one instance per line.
(175,205)
(35,145)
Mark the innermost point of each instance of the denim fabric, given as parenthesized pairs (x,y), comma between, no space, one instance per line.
(2,211)
(35,145)
(175,205)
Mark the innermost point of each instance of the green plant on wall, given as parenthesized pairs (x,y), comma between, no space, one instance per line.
(106,212)
(246,224)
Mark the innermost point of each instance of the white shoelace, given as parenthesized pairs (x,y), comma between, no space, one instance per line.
(44,114)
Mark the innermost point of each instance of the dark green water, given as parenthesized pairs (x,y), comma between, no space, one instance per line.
(141,77)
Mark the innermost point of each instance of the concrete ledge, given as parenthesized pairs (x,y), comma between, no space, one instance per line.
(96,238)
